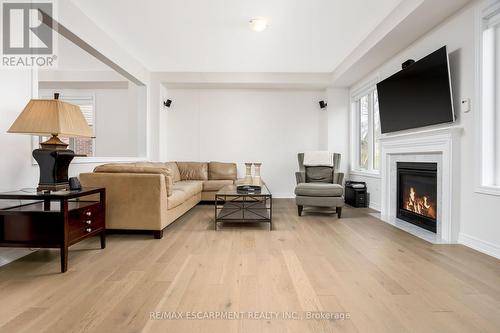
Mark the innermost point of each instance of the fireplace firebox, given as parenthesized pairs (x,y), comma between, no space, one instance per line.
(417,194)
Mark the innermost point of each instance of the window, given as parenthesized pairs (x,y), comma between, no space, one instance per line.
(365,115)
(85,146)
(489,90)
(363,133)
(376,132)
(81,146)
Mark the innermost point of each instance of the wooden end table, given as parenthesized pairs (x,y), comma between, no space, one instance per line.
(52,220)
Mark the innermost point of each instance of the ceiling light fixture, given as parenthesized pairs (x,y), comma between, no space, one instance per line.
(258,24)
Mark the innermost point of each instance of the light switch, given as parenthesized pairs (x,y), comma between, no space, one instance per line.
(465,105)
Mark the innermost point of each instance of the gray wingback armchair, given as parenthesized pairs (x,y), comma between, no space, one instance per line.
(319,186)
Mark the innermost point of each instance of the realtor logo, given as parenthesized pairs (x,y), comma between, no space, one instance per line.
(23,29)
(26,40)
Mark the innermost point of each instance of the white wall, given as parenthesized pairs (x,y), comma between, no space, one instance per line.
(17,87)
(17,170)
(338,124)
(71,17)
(75,65)
(247,125)
(373,184)
(116,119)
(71,57)
(479,225)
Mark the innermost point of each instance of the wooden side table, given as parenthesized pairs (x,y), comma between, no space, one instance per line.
(53,220)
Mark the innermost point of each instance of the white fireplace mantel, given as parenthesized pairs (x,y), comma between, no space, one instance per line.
(443,145)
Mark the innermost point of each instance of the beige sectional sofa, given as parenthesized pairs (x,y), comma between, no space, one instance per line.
(151,195)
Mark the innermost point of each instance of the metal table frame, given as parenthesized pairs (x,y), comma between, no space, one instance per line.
(244,208)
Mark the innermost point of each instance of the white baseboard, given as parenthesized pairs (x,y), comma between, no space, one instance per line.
(479,245)
(283,196)
(375,206)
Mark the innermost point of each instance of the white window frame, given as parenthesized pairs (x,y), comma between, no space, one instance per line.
(487,164)
(367,89)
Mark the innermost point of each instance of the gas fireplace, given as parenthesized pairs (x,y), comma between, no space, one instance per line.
(417,194)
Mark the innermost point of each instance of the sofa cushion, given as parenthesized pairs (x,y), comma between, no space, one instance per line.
(319,174)
(193,170)
(160,165)
(177,198)
(131,168)
(134,167)
(220,170)
(139,167)
(182,191)
(174,171)
(319,190)
(215,185)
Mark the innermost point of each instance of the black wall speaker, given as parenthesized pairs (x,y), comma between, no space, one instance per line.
(407,63)
(167,103)
(323,104)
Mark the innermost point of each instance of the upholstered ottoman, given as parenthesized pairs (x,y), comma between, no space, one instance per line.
(319,195)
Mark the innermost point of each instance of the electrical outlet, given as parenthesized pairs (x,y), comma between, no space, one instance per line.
(465,105)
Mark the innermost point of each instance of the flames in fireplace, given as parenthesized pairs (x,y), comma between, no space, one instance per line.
(419,204)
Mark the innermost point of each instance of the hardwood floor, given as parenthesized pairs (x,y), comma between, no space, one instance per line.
(382,278)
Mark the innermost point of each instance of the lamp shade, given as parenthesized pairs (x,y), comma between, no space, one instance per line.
(51,116)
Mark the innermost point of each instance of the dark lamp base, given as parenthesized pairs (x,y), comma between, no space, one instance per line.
(52,188)
(54,164)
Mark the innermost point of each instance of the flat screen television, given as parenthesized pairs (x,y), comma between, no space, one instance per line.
(417,96)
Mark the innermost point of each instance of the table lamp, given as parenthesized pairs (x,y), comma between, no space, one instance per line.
(52,117)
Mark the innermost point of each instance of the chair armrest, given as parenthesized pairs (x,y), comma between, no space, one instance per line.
(338,178)
(300,176)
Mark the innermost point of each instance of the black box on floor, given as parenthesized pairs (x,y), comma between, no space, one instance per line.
(355,194)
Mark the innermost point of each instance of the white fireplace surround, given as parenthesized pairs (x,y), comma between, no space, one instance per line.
(439,146)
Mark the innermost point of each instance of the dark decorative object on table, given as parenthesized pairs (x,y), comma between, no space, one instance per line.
(74,184)
(248,189)
(52,117)
(356,194)
(54,166)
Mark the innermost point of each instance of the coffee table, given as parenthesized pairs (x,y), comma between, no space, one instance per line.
(233,206)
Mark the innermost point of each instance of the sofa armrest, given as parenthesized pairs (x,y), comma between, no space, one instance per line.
(300,177)
(133,200)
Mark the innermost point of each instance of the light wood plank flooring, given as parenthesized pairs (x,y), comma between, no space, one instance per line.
(385,279)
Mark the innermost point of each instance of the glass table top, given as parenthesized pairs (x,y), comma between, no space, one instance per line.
(232,190)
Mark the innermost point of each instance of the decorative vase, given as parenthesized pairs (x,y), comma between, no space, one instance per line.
(248,174)
(248,170)
(257,169)
(256,177)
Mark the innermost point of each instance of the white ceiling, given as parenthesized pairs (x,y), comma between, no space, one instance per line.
(213,36)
